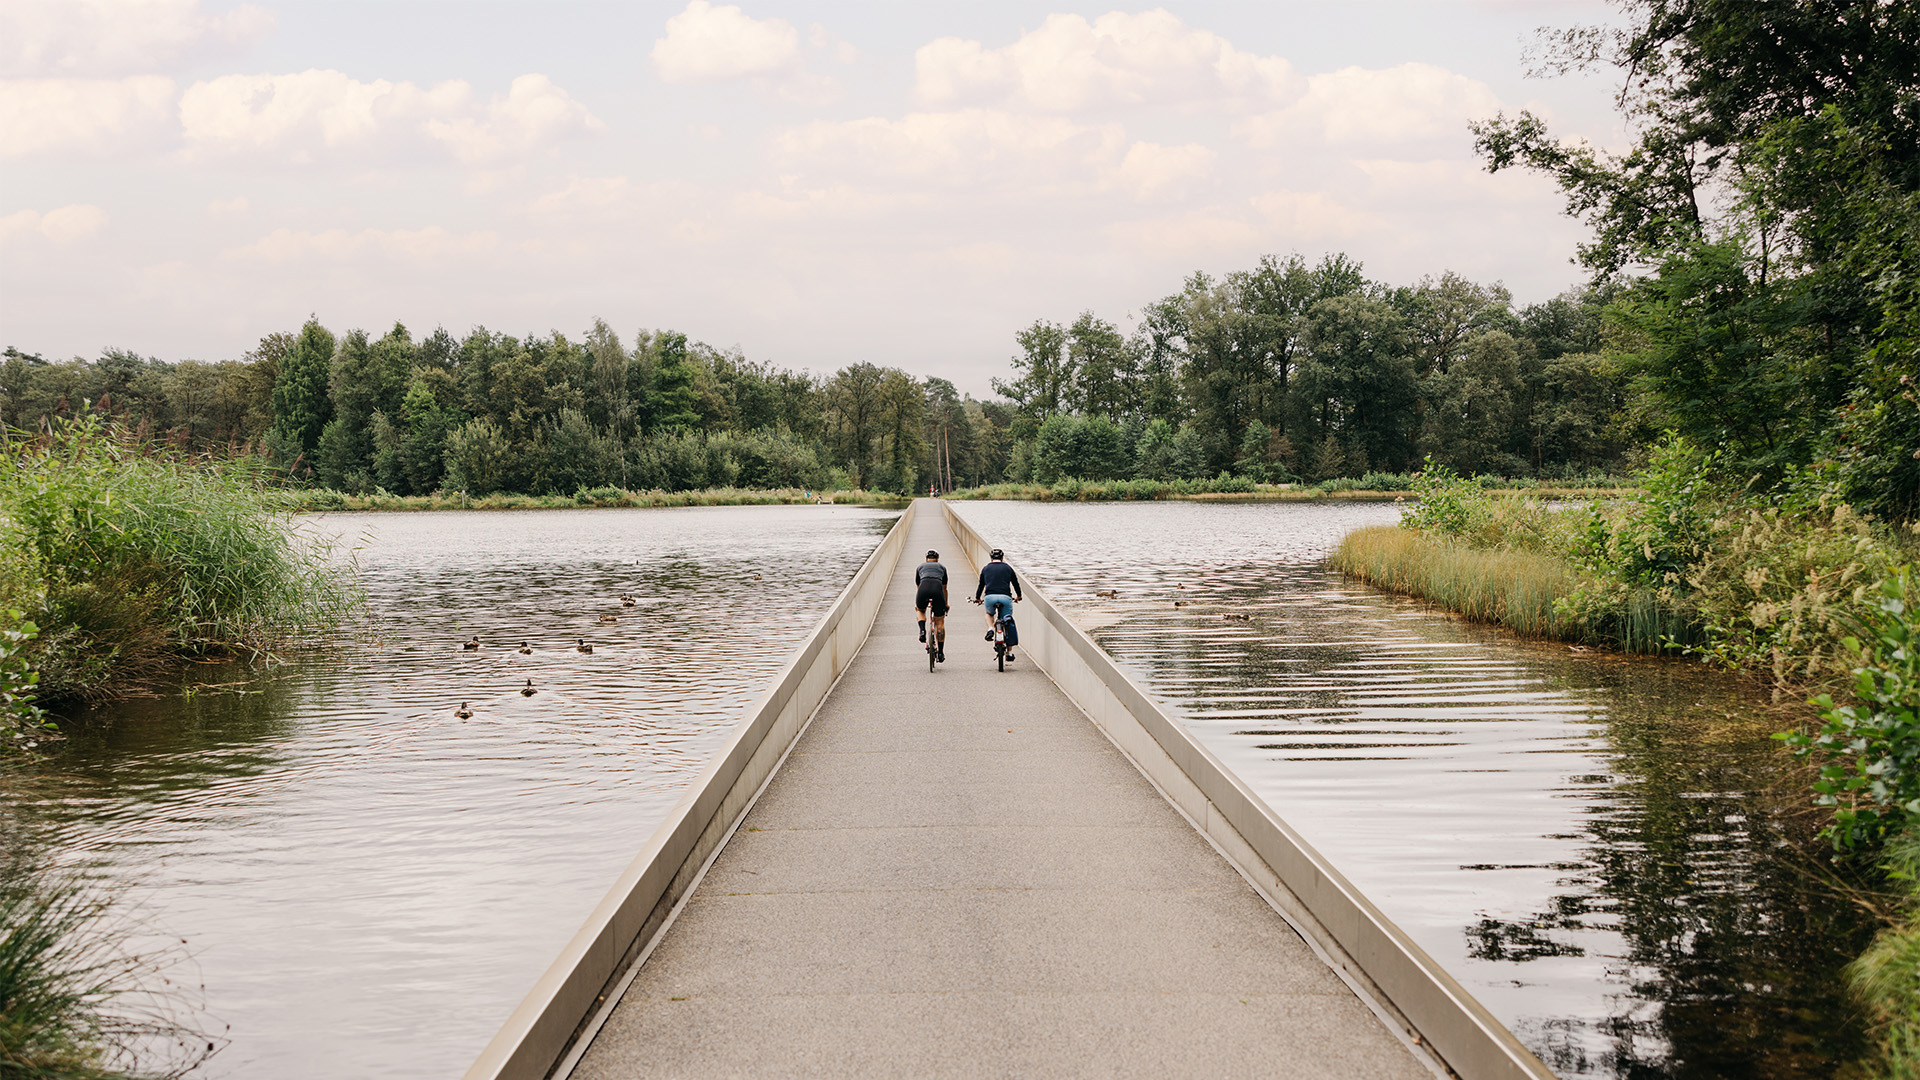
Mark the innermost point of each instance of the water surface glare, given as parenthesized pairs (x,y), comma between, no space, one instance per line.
(1590,843)
(370,884)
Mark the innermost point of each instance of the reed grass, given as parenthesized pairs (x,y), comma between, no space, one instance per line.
(75,1003)
(129,559)
(1519,589)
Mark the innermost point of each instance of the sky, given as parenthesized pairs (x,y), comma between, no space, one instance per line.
(814,184)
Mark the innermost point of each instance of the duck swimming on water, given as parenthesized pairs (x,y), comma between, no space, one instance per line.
(471,643)
(528,690)
(583,646)
(463,712)
(524,649)
(609,619)
(626,601)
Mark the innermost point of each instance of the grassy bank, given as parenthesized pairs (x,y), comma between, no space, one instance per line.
(317,500)
(127,560)
(1764,586)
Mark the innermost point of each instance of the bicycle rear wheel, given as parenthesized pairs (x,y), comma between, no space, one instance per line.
(933,638)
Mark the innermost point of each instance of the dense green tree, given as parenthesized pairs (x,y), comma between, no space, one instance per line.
(1768,187)
(672,395)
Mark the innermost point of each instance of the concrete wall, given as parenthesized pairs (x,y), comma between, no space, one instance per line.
(1373,953)
(543,1028)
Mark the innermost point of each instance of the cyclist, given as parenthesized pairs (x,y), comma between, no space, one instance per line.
(930,597)
(1001,586)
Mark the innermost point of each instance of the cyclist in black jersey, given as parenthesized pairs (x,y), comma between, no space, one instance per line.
(930,597)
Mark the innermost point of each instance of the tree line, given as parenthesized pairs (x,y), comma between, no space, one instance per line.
(489,413)
(1285,371)
(1312,371)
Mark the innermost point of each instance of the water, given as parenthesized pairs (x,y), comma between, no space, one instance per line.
(368,885)
(1594,845)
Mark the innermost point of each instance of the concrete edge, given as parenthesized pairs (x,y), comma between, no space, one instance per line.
(538,1033)
(1437,1011)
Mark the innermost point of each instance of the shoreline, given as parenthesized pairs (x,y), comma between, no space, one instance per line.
(326,501)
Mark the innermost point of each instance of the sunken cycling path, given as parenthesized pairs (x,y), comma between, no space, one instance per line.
(956,874)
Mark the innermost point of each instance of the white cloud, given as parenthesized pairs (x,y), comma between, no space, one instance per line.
(710,44)
(1397,104)
(317,114)
(61,226)
(534,113)
(428,245)
(1150,169)
(588,193)
(961,147)
(117,37)
(1118,59)
(85,116)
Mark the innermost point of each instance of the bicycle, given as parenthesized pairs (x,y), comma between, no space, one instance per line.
(933,641)
(1001,649)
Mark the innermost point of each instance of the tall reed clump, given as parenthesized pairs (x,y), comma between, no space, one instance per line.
(1515,589)
(128,559)
(75,1003)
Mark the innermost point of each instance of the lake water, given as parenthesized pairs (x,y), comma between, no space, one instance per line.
(368,885)
(1594,845)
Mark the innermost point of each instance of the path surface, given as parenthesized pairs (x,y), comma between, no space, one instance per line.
(956,874)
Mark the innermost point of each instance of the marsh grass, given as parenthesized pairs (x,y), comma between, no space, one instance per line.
(1523,590)
(1515,589)
(130,559)
(320,499)
(75,1002)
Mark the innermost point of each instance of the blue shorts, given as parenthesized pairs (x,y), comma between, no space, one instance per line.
(998,602)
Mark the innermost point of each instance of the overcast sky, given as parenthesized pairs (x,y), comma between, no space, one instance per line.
(816,184)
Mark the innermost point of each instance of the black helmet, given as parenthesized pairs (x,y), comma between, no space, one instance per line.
(996,553)
(933,554)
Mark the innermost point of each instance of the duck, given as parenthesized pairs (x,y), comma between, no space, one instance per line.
(627,601)
(528,690)
(583,646)
(1179,603)
(756,577)
(463,712)
(609,619)
(524,649)
(1237,617)
(1107,594)
(471,643)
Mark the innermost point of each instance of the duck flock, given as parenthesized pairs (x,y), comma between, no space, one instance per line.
(472,644)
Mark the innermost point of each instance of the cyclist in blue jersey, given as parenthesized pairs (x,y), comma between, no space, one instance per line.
(1000,587)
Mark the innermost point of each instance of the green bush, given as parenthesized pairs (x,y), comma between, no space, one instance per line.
(1869,751)
(23,725)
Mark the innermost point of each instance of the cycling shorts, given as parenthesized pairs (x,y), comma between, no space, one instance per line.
(932,594)
(1000,602)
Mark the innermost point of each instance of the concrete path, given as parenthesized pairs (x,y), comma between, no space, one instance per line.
(956,874)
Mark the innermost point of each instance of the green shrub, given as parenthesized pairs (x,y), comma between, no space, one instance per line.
(1869,751)
(23,725)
